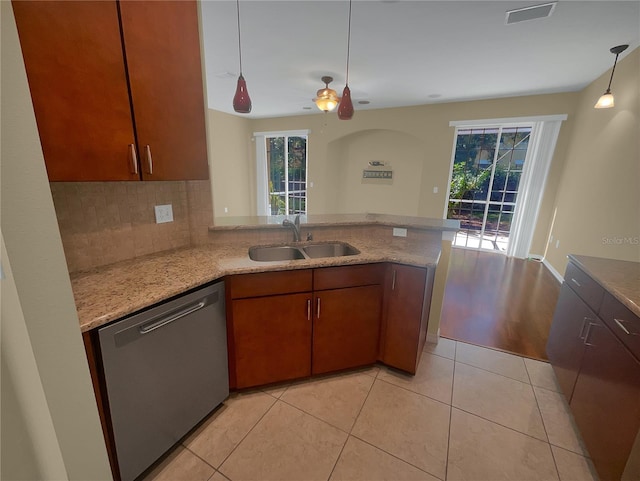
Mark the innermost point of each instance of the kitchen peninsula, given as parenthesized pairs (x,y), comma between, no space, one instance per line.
(107,293)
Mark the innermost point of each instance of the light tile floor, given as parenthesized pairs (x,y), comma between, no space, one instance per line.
(469,413)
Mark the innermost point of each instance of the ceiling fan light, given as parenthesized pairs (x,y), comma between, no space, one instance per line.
(241,100)
(345,112)
(327,99)
(605,101)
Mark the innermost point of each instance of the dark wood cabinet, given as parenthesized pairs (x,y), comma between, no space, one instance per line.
(272,338)
(407,302)
(346,328)
(565,347)
(598,370)
(116,100)
(291,324)
(606,401)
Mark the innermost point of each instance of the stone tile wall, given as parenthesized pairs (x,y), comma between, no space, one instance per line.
(105,222)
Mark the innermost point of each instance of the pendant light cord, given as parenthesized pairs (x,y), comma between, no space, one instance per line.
(612,71)
(239,47)
(348,44)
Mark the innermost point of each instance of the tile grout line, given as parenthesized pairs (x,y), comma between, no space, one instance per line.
(413,392)
(493,372)
(501,425)
(453,380)
(394,456)
(239,442)
(352,425)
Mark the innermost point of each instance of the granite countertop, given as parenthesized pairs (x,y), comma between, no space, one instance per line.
(107,293)
(620,278)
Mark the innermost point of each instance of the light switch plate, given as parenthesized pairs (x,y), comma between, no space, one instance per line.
(164,213)
(399,232)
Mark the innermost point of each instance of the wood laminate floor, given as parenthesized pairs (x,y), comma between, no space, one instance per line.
(499,302)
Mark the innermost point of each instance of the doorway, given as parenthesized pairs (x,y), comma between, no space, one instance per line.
(498,175)
(485,179)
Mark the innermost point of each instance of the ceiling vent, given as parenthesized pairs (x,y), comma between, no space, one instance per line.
(530,13)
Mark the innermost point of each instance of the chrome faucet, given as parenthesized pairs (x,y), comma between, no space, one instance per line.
(295,225)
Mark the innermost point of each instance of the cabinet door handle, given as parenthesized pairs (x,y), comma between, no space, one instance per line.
(584,324)
(308,309)
(149,159)
(621,326)
(576,282)
(134,158)
(318,311)
(393,281)
(586,336)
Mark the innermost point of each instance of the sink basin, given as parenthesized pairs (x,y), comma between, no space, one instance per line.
(303,251)
(333,249)
(275,253)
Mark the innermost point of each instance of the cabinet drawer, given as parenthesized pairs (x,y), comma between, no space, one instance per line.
(624,323)
(589,290)
(347,276)
(269,283)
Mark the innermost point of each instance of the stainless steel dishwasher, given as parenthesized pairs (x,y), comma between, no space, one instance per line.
(165,369)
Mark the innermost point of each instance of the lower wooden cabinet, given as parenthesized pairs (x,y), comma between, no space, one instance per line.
(346,328)
(408,300)
(272,339)
(599,373)
(292,324)
(606,401)
(565,347)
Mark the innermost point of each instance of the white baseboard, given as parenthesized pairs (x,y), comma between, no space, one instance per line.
(555,273)
(433,338)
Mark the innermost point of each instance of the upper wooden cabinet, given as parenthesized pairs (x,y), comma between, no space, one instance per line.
(116,88)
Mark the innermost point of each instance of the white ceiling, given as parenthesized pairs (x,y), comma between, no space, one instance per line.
(407,52)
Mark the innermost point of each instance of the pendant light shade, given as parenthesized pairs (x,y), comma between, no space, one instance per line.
(345,112)
(327,99)
(241,100)
(606,101)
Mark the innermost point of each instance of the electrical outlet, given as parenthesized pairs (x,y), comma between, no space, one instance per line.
(557,243)
(435,189)
(164,213)
(399,232)
(226,210)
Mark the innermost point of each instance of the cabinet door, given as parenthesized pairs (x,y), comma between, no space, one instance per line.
(606,401)
(162,46)
(346,328)
(271,338)
(404,317)
(565,347)
(73,57)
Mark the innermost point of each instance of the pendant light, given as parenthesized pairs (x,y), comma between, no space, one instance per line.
(606,100)
(327,99)
(241,100)
(345,111)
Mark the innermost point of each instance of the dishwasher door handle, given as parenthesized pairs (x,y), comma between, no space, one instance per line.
(147,328)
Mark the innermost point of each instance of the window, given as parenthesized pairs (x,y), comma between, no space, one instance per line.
(281,172)
(487,167)
(498,173)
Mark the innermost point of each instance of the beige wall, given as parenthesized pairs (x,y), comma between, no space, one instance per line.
(231,153)
(416,141)
(43,354)
(597,207)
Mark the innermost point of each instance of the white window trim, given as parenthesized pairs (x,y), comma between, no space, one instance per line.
(262,176)
(544,136)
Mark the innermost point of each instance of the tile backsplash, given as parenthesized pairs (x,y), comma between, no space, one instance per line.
(105,222)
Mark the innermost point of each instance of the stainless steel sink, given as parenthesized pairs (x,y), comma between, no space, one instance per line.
(302,251)
(332,249)
(275,253)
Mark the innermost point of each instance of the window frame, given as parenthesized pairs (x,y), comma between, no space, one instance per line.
(262,175)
